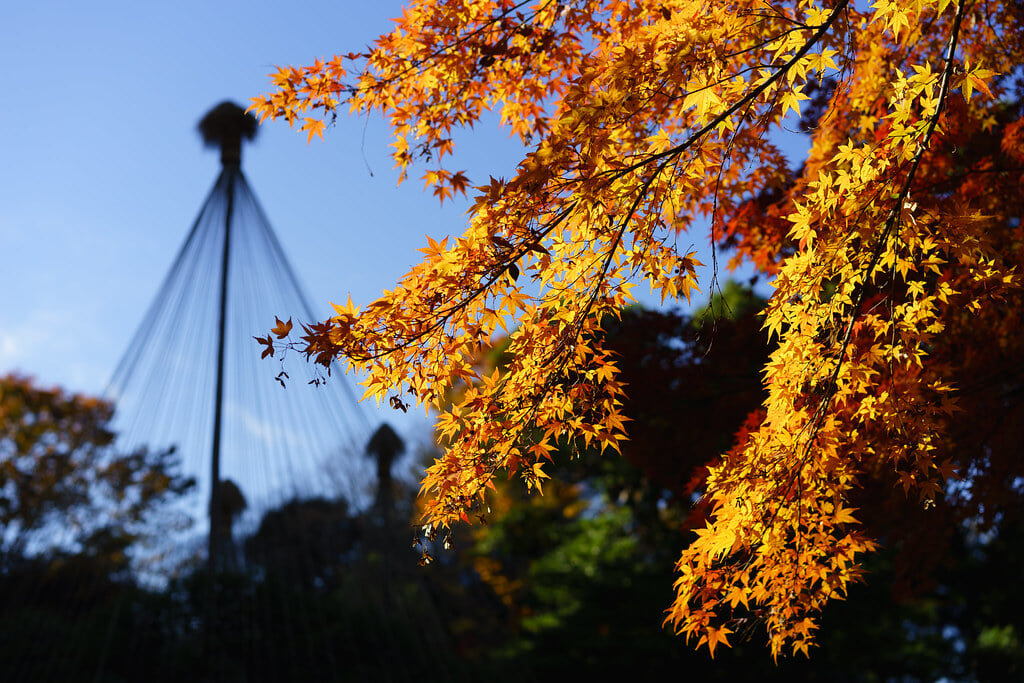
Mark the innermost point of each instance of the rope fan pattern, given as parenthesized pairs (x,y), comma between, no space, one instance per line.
(289,569)
(192,377)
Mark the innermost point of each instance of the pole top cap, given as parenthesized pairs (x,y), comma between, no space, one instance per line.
(225,126)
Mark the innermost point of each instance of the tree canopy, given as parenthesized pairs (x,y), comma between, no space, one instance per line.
(893,251)
(65,488)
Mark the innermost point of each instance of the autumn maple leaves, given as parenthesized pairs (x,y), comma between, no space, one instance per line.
(647,120)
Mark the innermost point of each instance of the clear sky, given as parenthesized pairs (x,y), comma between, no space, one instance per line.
(103,172)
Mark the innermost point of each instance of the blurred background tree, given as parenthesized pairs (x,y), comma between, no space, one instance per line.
(72,509)
(65,489)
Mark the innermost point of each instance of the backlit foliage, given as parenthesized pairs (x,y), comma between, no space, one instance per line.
(65,488)
(648,124)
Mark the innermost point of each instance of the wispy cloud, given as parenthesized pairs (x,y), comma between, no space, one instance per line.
(47,344)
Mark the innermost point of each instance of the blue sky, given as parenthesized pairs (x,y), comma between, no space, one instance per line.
(103,172)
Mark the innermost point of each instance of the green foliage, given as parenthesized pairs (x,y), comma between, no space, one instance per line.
(732,301)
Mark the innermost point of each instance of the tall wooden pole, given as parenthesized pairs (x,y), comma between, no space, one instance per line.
(224,126)
(217,540)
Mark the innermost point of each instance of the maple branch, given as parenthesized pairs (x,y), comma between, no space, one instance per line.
(667,156)
(448,48)
(892,219)
(896,210)
(743,101)
(440,318)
